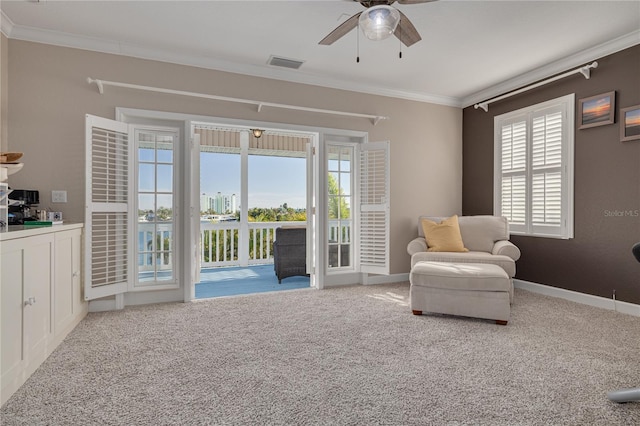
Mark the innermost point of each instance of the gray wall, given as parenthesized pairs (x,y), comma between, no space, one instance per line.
(607,179)
(48,97)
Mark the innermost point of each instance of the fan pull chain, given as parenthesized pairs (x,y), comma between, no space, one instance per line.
(358,43)
(400,38)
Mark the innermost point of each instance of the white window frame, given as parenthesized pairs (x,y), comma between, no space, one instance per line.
(353,212)
(564,228)
(173,283)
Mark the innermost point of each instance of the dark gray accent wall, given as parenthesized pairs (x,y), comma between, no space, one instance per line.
(598,259)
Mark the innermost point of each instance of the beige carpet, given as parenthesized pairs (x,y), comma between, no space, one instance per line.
(346,356)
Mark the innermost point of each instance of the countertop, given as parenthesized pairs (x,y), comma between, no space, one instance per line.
(20,231)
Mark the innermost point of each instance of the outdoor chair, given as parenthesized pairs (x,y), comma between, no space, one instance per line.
(290,252)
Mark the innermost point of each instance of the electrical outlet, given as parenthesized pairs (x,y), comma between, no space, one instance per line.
(58,196)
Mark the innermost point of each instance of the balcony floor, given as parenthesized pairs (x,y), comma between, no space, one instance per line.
(231,281)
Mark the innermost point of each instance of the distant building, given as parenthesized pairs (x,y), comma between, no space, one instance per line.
(220,203)
(206,203)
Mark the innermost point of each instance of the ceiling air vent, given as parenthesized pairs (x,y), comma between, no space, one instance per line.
(278,61)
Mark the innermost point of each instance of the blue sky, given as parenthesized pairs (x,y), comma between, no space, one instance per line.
(273,181)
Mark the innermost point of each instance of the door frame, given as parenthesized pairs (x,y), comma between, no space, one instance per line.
(190,199)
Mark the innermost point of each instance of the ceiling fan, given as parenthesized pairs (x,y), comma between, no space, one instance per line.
(379,21)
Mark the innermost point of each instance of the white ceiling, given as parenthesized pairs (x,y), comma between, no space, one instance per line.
(470,50)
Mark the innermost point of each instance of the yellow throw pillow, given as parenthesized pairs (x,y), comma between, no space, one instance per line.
(443,236)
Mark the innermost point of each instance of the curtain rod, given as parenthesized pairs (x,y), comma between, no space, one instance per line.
(585,71)
(260,104)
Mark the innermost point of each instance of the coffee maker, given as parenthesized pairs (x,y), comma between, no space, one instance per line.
(22,203)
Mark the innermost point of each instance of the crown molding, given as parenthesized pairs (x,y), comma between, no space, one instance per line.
(549,70)
(62,39)
(6,24)
(12,31)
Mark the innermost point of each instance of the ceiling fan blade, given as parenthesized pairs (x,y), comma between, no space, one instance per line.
(341,30)
(406,32)
(414,1)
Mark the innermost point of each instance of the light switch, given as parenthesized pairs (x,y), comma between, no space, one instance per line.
(58,196)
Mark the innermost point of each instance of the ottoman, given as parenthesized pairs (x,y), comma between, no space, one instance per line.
(476,290)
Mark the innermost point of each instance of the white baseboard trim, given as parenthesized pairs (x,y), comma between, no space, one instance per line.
(102,305)
(585,299)
(384,279)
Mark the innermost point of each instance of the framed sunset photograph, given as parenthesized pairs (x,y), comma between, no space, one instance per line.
(630,123)
(597,110)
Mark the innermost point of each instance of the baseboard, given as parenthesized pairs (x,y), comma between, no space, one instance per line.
(585,299)
(101,305)
(384,279)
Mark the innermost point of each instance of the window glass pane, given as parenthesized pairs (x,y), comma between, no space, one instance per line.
(345,183)
(165,155)
(146,207)
(345,255)
(345,234)
(334,231)
(333,158)
(145,240)
(164,210)
(165,178)
(146,177)
(334,206)
(345,159)
(146,155)
(345,210)
(333,184)
(333,256)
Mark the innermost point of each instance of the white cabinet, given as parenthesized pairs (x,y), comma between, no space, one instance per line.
(11,349)
(40,299)
(68,300)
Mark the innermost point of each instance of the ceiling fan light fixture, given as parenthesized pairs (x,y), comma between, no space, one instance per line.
(379,22)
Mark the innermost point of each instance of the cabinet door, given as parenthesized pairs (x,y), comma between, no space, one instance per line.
(79,303)
(63,287)
(38,277)
(12,303)
(67,287)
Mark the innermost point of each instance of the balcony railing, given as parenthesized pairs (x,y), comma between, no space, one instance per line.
(219,243)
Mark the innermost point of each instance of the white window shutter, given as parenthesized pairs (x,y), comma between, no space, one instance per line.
(546,179)
(534,168)
(374,208)
(107,214)
(513,169)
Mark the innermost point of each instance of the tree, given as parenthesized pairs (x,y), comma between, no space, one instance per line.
(338,207)
(284,213)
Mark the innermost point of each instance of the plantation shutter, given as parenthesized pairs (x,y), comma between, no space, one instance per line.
(374,208)
(107,215)
(513,171)
(546,179)
(534,168)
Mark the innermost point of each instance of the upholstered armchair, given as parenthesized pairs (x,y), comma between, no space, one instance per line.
(486,238)
(290,252)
